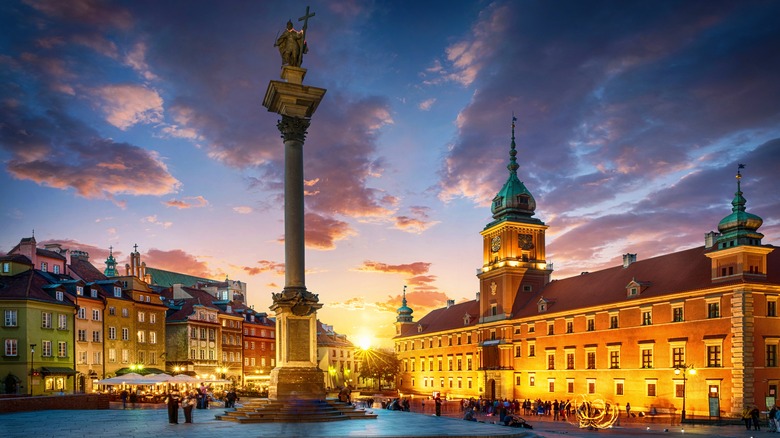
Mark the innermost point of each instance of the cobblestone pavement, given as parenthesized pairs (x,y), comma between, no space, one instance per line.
(153,422)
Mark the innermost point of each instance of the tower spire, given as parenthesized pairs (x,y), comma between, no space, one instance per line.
(513,166)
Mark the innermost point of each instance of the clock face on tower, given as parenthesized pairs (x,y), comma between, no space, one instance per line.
(525,241)
(495,244)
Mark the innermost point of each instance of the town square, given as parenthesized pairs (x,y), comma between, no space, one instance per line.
(470,218)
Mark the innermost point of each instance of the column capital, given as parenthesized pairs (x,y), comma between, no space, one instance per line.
(293,128)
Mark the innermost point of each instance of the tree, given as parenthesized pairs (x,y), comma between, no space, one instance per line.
(379,365)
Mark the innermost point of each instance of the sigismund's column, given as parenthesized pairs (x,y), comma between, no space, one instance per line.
(296,375)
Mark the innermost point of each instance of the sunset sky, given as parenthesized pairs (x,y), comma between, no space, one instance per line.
(141,122)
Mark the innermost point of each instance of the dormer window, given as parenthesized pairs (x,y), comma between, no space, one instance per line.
(635,288)
(419,328)
(497,201)
(543,304)
(56,269)
(93,293)
(59,295)
(466,319)
(79,290)
(117,291)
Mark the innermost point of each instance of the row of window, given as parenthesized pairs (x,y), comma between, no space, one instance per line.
(97,358)
(45,268)
(210,334)
(263,333)
(250,361)
(141,335)
(12,348)
(410,345)
(713,355)
(453,382)
(250,345)
(141,356)
(454,363)
(651,386)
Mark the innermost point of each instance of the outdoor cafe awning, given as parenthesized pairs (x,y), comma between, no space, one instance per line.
(58,371)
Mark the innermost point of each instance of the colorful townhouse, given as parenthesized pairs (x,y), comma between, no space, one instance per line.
(38,323)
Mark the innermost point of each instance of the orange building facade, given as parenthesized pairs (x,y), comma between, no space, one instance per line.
(626,334)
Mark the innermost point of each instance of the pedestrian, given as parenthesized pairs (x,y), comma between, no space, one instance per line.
(772,418)
(746,417)
(173,407)
(754,415)
(556,406)
(123,396)
(189,402)
(437,400)
(628,410)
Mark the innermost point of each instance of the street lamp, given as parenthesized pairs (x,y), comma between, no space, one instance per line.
(684,370)
(32,366)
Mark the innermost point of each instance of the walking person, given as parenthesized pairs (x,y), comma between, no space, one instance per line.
(628,410)
(438,406)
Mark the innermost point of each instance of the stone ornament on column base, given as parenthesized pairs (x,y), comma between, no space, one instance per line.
(290,383)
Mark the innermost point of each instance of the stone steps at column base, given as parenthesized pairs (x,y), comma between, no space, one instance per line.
(295,411)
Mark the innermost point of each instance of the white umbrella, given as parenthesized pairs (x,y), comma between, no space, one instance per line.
(158,378)
(183,378)
(129,378)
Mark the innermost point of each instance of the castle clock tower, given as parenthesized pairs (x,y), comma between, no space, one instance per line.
(513,248)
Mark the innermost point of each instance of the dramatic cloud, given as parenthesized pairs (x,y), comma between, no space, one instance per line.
(322,232)
(187,202)
(177,261)
(604,154)
(128,104)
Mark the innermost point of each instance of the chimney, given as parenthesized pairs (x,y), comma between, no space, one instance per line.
(628,259)
(710,239)
(79,255)
(450,303)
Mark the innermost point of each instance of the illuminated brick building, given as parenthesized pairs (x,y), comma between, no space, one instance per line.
(620,333)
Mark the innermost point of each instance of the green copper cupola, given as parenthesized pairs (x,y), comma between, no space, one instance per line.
(110,270)
(404,312)
(513,202)
(740,227)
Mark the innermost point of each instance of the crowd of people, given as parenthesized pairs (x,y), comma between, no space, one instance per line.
(559,410)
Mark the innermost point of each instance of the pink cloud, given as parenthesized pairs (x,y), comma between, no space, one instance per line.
(265,266)
(177,261)
(187,202)
(129,104)
(322,232)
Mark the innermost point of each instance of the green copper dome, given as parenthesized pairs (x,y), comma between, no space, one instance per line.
(404,312)
(740,227)
(514,201)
